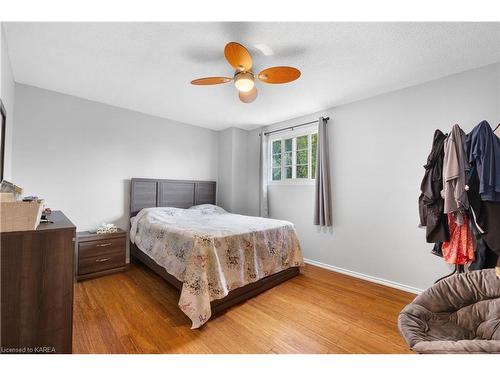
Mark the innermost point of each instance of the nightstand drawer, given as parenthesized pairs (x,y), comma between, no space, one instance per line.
(96,248)
(104,260)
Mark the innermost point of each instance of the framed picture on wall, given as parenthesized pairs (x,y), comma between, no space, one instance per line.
(2,139)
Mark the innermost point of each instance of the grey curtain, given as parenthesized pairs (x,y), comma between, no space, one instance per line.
(322,199)
(263,204)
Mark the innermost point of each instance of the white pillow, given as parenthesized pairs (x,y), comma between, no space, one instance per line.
(170,211)
(207,209)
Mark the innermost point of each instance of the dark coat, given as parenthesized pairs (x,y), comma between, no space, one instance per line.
(431,203)
(487,218)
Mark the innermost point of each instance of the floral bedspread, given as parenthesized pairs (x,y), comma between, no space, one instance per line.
(213,252)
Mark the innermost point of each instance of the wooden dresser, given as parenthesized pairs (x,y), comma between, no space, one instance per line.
(100,254)
(37,288)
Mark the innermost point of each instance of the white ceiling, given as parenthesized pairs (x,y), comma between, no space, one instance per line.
(147,67)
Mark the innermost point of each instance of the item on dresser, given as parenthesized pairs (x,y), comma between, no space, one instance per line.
(30,198)
(19,215)
(100,253)
(46,212)
(37,288)
(9,187)
(9,192)
(45,219)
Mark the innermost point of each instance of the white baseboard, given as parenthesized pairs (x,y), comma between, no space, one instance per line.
(362,276)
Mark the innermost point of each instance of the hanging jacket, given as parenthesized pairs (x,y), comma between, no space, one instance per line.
(455,168)
(483,150)
(431,202)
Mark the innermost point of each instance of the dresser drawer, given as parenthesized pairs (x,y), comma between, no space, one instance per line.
(95,256)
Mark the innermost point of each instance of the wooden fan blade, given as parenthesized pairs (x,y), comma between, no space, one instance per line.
(238,56)
(210,81)
(279,74)
(249,96)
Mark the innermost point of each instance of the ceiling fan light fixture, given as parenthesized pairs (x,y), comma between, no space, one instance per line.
(244,79)
(244,82)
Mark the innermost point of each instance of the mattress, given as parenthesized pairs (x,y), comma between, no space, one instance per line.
(212,252)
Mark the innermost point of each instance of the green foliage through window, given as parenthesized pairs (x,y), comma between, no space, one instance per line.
(276,160)
(276,174)
(277,147)
(302,171)
(302,157)
(302,142)
(276,168)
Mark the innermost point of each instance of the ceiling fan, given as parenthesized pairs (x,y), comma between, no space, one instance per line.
(244,78)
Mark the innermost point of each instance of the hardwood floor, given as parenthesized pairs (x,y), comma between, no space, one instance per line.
(318,311)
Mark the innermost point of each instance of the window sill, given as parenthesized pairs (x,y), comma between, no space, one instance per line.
(292,183)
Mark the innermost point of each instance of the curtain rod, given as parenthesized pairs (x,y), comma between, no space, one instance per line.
(295,126)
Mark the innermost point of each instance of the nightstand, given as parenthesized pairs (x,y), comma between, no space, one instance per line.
(100,254)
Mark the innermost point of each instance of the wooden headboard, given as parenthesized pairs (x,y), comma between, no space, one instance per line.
(149,192)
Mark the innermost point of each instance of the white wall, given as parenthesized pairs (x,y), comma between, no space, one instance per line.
(377,149)
(253,174)
(79,155)
(7,94)
(225,169)
(240,175)
(232,176)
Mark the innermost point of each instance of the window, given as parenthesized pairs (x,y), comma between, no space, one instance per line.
(293,156)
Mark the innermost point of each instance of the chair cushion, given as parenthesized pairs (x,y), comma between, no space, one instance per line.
(460,314)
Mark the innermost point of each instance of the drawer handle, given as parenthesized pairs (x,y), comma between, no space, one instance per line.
(104,244)
(102,260)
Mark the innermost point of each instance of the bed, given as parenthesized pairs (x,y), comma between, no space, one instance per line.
(214,258)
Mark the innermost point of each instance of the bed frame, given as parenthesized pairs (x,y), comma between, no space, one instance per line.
(147,192)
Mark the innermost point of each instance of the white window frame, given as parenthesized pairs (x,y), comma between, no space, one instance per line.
(309,131)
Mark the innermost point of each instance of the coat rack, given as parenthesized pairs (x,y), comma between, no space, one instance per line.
(459,268)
